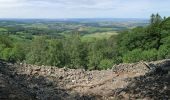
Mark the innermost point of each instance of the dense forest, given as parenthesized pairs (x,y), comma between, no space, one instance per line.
(147,43)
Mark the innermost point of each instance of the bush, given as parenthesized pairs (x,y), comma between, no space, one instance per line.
(105,64)
(137,55)
(163,52)
(132,56)
(149,55)
(6,54)
(18,53)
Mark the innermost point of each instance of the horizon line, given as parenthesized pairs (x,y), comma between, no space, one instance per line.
(81,18)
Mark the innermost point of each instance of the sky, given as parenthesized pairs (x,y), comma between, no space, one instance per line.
(83,8)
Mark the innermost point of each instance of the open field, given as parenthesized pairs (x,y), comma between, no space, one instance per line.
(98,35)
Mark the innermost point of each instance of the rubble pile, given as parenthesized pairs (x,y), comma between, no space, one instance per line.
(142,80)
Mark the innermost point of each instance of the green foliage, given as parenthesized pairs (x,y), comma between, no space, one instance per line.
(148,43)
(164,52)
(18,52)
(37,51)
(18,43)
(132,56)
(5,47)
(166,24)
(149,55)
(6,54)
(129,40)
(106,63)
(54,53)
(6,41)
(94,58)
(101,50)
(72,47)
(138,54)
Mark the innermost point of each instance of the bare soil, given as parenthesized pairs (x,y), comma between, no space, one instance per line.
(142,80)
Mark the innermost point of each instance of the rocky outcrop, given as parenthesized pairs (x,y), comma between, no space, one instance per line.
(142,80)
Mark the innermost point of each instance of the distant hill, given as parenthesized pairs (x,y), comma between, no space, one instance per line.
(137,20)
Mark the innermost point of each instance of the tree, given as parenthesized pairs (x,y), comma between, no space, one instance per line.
(5,47)
(155,19)
(149,43)
(37,51)
(132,56)
(72,51)
(149,55)
(18,52)
(6,41)
(54,53)
(152,19)
(94,55)
(164,52)
(6,54)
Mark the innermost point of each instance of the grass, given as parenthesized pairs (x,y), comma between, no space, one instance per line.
(98,35)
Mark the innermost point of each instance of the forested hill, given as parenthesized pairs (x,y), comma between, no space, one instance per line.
(147,43)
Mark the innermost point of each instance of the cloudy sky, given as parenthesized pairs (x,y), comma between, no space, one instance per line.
(83,8)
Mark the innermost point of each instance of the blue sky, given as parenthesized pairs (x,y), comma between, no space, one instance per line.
(83,8)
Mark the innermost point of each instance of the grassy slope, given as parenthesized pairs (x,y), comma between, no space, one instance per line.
(98,35)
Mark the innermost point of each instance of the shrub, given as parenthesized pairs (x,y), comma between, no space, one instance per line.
(163,52)
(105,64)
(149,55)
(132,56)
(6,54)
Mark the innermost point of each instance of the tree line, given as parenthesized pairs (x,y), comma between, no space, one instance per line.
(141,43)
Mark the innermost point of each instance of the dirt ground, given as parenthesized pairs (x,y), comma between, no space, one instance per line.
(142,80)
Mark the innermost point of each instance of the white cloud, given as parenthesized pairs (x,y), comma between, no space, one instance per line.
(82,8)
